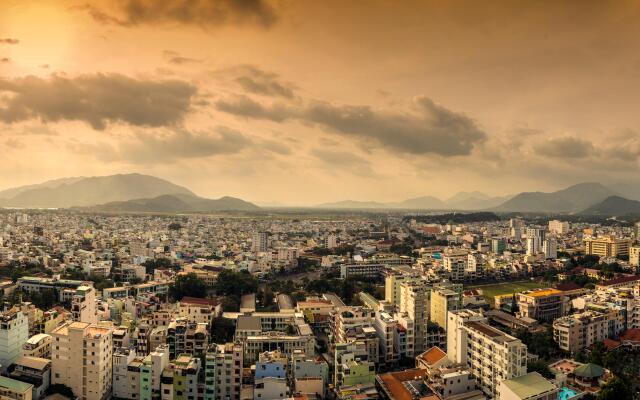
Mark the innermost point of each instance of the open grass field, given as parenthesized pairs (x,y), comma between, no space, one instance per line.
(494,289)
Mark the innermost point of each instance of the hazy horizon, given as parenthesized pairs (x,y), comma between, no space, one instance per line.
(305,103)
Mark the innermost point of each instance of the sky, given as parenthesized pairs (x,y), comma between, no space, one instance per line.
(305,102)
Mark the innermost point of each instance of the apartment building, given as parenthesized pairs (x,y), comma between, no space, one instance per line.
(387,329)
(415,302)
(14,332)
(187,337)
(352,365)
(309,375)
(608,246)
(223,371)
(393,279)
(579,331)
(199,310)
(179,380)
(443,300)
(541,304)
(151,370)
(634,256)
(38,346)
(270,341)
(490,354)
(348,318)
(82,358)
(559,227)
(83,305)
(121,385)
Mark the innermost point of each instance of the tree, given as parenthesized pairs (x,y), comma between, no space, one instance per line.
(541,343)
(540,367)
(188,285)
(174,226)
(222,330)
(151,265)
(598,351)
(237,283)
(58,388)
(616,389)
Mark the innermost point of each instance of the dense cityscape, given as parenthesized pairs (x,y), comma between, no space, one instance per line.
(342,305)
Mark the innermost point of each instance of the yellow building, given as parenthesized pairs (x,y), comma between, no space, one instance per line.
(443,301)
(540,304)
(607,246)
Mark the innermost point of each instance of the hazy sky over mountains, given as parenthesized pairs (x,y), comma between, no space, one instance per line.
(313,101)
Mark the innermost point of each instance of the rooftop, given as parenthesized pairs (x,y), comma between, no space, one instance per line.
(14,385)
(529,385)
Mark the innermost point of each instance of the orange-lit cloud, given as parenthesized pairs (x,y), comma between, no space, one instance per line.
(319,101)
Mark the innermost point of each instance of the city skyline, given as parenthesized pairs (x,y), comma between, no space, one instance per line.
(280,101)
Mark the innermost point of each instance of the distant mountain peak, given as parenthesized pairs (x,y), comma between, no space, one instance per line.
(88,191)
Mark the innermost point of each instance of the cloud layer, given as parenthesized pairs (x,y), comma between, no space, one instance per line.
(96,99)
(430,129)
(204,13)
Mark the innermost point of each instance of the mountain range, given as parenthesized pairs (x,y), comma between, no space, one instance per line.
(587,198)
(122,192)
(460,201)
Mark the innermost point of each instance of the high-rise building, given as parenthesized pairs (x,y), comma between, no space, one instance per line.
(393,280)
(151,372)
(558,227)
(516,228)
(223,371)
(442,301)
(634,256)
(414,301)
(260,242)
(14,332)
(82,359)
(498,245)
(121,379)
(331,241)
(535,238)
(550,248)
(83,305)
(491,355)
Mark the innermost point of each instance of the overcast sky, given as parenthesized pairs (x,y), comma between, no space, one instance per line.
(303,102)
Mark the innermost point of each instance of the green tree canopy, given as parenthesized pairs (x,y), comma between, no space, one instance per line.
(188,285)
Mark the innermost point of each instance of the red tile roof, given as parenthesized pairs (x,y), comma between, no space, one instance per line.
(433,355)
(199,301)
(393,382)
(623,279)
(630,335)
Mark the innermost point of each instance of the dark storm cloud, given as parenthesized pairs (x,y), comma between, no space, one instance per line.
(430,129)
(564,147)
(9,41)
(205,13)
(257,81)
(96,99)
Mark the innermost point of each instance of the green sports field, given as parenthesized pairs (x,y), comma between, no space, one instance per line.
(491,290)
